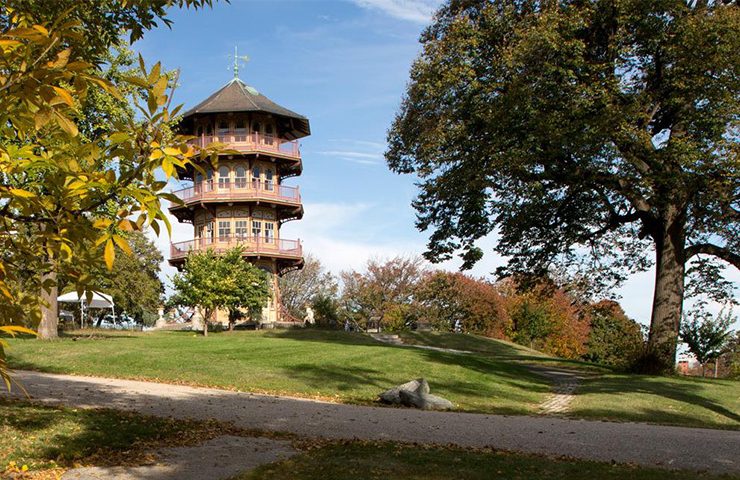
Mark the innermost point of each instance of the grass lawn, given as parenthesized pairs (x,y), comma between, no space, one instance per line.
(50,440)
(310,363)
(388,461)
(701,402)
(353,368)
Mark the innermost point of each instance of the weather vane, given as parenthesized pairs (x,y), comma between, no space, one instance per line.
(237,58)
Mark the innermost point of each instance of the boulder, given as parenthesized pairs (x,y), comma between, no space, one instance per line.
(415,394)
(393,395)
(424,401)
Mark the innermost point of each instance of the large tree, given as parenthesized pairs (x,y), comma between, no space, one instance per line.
(383,293)
(69,178)
(587,133)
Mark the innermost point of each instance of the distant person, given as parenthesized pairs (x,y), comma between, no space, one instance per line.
(458,326)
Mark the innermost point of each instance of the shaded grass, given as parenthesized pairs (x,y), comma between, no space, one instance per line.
(711,403)
(344,367)
(500,349)
(388,461)
(44,438)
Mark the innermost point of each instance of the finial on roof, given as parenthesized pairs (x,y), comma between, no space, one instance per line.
(243,58)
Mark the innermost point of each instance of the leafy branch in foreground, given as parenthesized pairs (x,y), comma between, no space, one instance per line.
(62,191)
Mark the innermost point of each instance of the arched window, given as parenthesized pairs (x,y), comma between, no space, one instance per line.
(198,187)
(268,180)
(209,180)
(268,134)
(199,131)
(256,177)
(223,177)
(209,129)
(240,177)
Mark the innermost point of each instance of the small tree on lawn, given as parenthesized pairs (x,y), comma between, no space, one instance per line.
(210,282)
(706,337)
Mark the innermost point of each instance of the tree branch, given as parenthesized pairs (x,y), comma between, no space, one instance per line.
(710,249)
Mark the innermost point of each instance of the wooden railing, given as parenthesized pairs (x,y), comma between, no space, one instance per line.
(239,189)
(250,245)
(252,142)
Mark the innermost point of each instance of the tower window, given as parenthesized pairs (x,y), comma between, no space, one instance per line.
(240,177)
(256,229)
(241,130)
(223,178)
(269,232)
(268,134)
(255,177)
(224,230)
(209,180)
(240,229)
(256,128)
(268,179)
(198,187)
(223,130)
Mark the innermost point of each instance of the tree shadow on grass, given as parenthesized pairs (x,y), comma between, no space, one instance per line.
(678,390)
(324,336)
(61,436)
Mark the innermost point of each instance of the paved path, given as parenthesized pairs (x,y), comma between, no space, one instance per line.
(671,447)
(564,384)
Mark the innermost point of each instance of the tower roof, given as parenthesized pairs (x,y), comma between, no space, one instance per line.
(237,96)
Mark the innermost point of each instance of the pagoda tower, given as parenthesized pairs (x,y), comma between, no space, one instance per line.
(243,201)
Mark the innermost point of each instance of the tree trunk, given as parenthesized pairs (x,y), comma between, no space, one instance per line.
(49,325)
(206,318)
(668,296)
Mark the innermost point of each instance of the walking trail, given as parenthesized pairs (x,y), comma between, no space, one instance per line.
(653,445)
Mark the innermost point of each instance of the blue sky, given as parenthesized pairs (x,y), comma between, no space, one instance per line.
(344,64)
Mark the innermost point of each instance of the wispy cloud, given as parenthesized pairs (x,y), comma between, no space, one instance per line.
(417,11)
(363,158)
(365,143)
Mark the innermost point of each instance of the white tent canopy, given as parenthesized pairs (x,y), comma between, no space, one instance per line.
(98,300)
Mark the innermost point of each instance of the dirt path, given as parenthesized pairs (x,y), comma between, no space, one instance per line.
(671,447)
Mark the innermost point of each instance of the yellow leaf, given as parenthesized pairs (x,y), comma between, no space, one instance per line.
(102,223)
(173,152)
(169,170)
(20,193)
(41,119)
(64,95)
(6,293)
(122,244)
(66,124)
(13,329)
(118,137)
(62,59)
(109,255)
(126,225)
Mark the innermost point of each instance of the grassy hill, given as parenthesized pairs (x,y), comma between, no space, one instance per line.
(354,368)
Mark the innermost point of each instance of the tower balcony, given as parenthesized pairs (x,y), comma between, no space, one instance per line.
(252,247)
(253,143)
(237,190)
